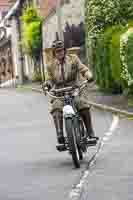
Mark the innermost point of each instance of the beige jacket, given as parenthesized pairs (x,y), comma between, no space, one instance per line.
(74,70)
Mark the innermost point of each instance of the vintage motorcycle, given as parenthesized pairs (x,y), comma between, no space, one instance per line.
(76,141)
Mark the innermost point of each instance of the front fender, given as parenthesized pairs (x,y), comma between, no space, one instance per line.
(68,111)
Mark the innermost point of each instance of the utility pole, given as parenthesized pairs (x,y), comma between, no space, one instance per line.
(20,57)
(59,21)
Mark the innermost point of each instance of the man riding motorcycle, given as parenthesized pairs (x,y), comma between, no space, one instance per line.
(67,70)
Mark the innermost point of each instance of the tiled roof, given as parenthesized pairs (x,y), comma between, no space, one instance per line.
(51,4)
(46,6)
(4,4)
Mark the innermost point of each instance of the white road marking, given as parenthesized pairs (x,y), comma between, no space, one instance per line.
(75,193)
(114,123)
(105,138)
(108,133)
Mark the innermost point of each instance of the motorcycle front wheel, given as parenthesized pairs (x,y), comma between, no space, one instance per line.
(73,142)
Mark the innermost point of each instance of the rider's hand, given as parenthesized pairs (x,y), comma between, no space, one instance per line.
(91,80)
(47,85)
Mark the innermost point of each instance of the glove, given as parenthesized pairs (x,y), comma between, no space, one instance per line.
(90,80)
(47,85)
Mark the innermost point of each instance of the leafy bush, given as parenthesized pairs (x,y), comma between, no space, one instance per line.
(126,51)
(31,38)
(103,13)
(105,21)
(107,64)
(36,76)
(30,15)
(114,49)
(31,32)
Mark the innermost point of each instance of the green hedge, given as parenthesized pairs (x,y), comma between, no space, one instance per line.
(102,13)
(31,32)
(36,76)
(107,63)
(105,21)
(127,59)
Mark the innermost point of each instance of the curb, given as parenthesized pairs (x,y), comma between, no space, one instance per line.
(121,113)
(37,90)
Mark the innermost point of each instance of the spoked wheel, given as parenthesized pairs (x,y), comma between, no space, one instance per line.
(80,153)
(73,143)
(82,131)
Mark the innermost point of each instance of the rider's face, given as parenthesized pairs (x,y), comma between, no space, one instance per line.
(60,54)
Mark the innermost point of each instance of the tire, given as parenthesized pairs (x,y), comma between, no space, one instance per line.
(71,134)
(79,133)
(80,153)
(82,128)
(82,132)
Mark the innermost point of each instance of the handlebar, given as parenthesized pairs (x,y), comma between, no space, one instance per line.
(53,96)
(65,89)
(70,88)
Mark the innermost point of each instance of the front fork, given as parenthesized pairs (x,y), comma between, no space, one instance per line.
(75,118)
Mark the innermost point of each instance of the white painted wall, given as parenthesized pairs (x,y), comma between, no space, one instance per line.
(15,50)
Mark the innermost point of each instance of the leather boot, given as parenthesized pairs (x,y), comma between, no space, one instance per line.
(86,116)
(58,122)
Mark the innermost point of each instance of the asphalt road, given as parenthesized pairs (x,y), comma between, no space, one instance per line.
(112,175)
(32,169)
